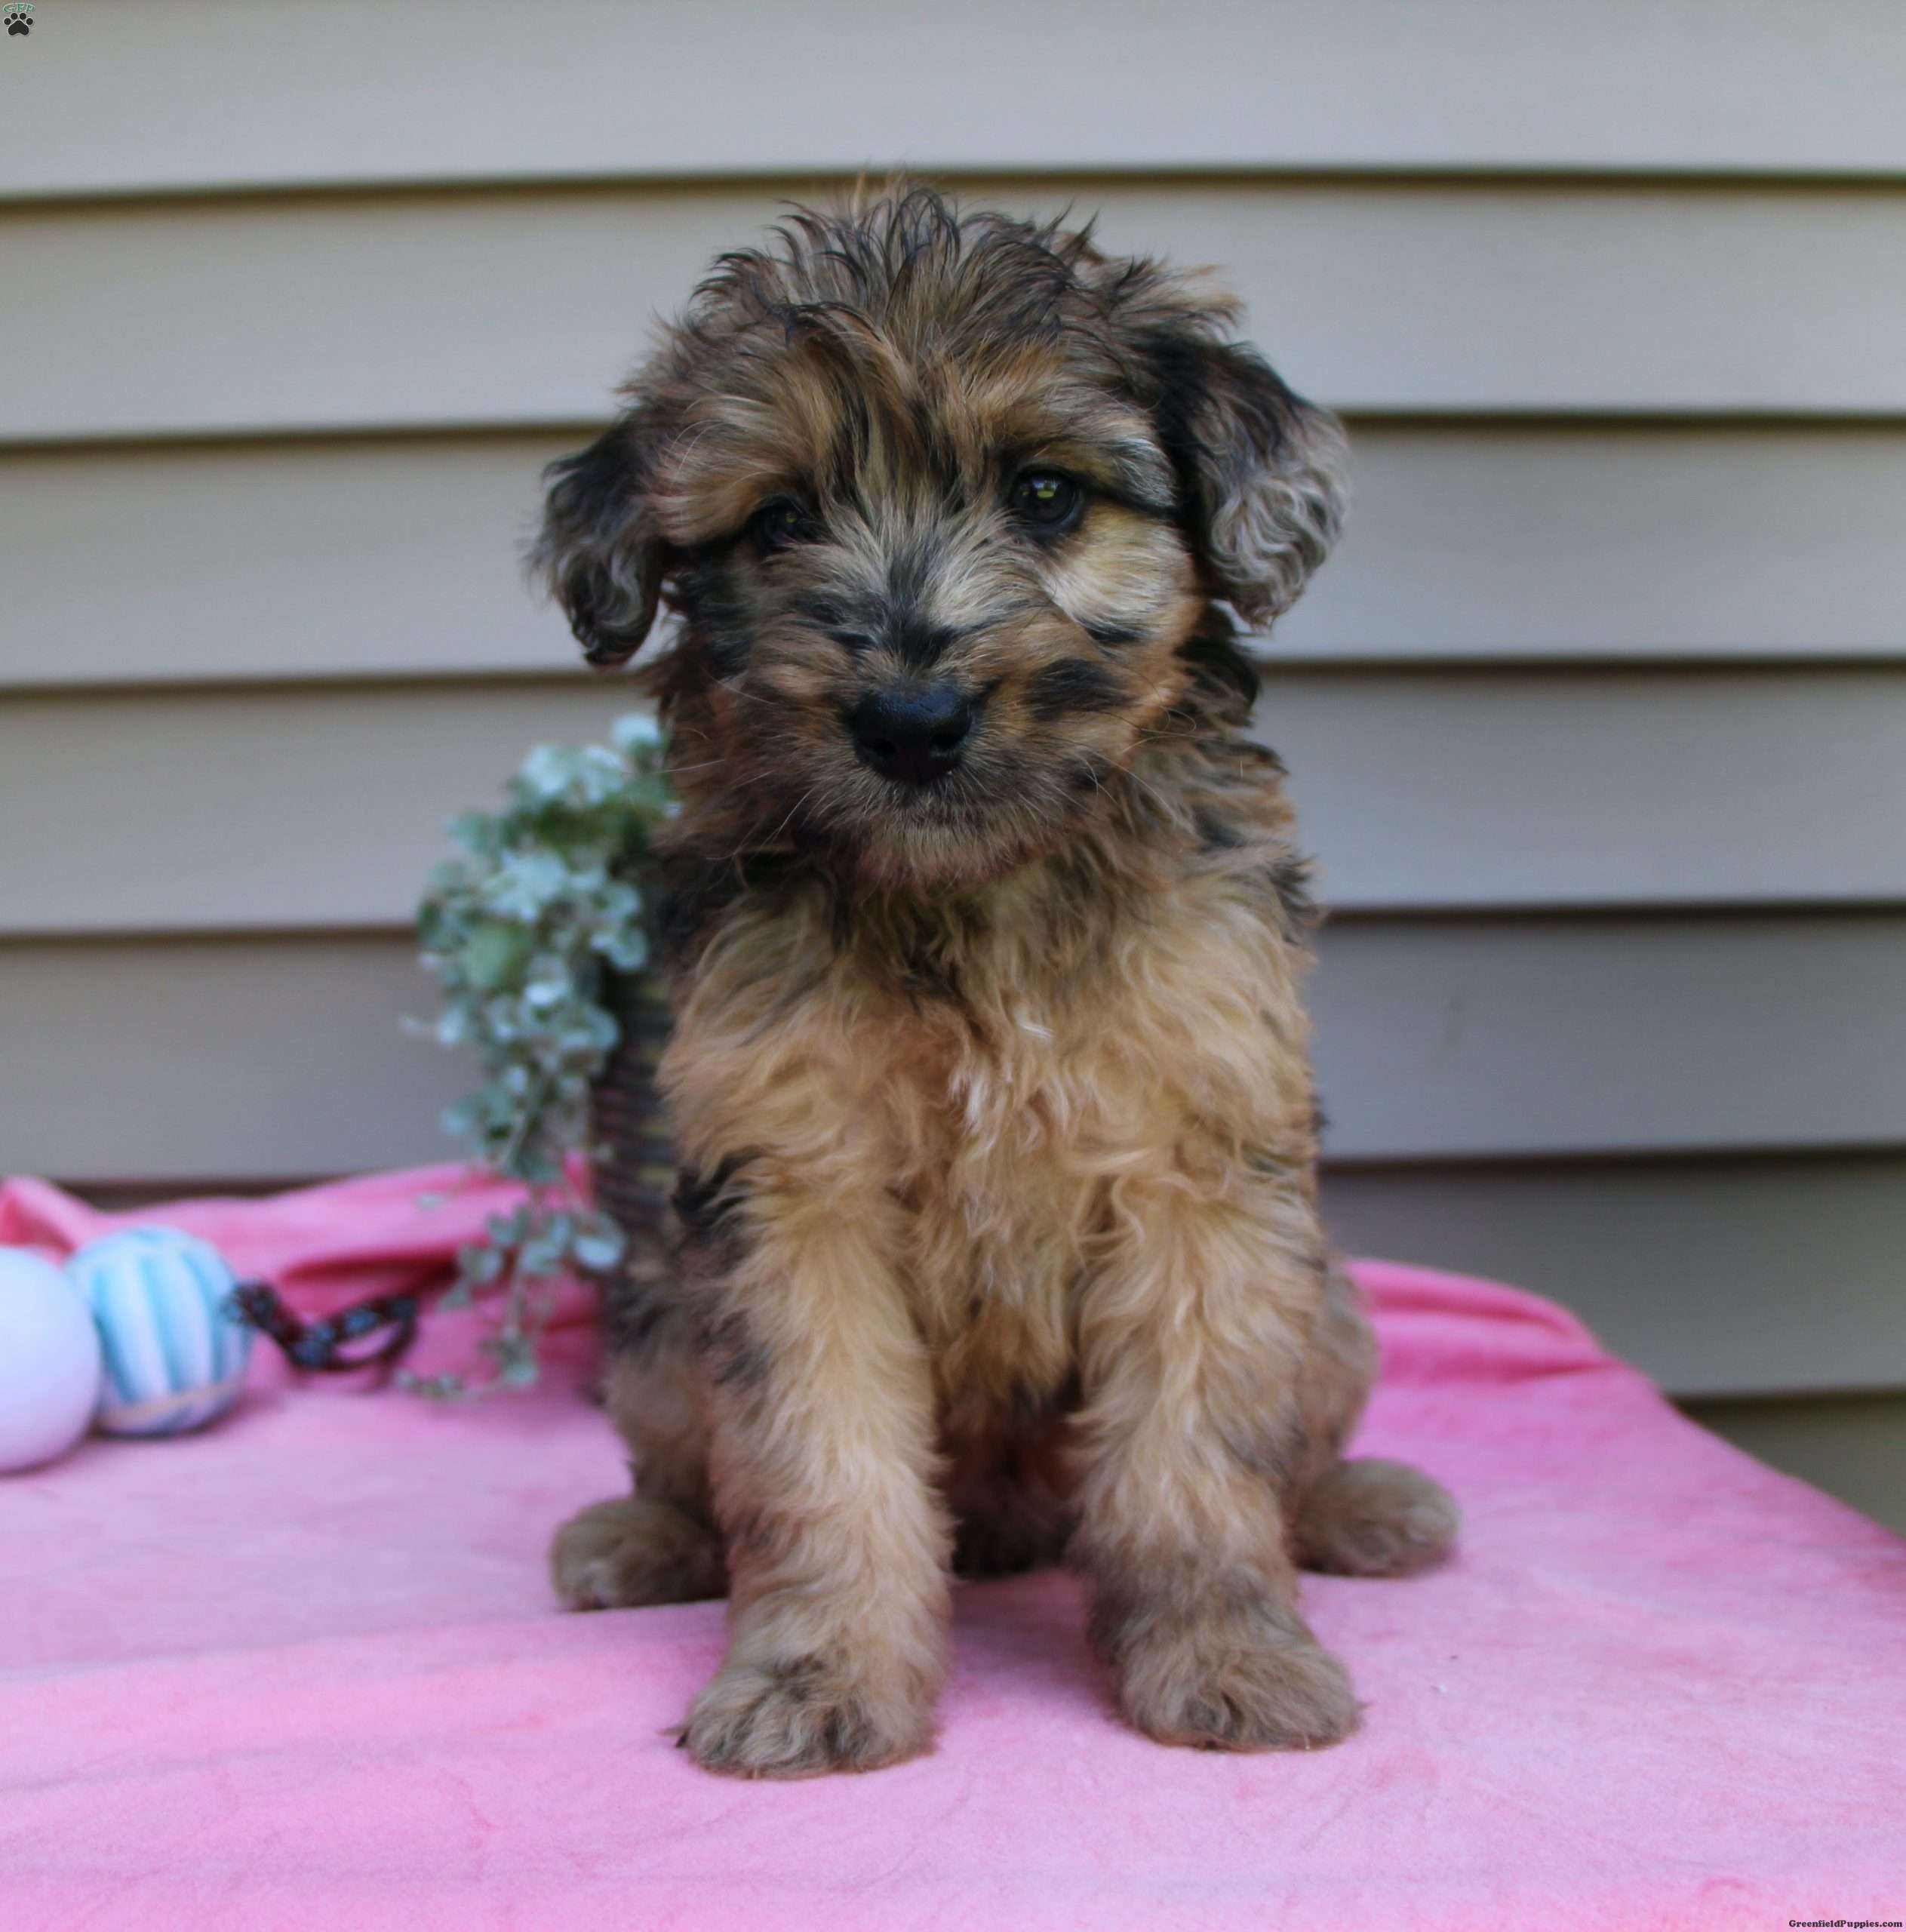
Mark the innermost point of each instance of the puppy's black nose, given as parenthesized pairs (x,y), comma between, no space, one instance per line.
(913,732)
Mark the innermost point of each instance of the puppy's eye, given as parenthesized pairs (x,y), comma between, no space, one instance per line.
(1045,501)
(778,522)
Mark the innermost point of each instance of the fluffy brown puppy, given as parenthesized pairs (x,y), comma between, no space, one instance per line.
(996,1234)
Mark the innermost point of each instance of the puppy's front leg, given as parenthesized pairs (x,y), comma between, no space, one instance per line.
(1192,1336)
(822,1460)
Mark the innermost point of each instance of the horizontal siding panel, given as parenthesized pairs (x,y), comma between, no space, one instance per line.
(1552,541)
(1436,1040)
(1614,1010)
(322,559)
(409,310)
(388,557)
(1714,1276)
(120,94)
(272,1057)
(1520,788)
(285,807)
(1465,1038)
(305,808)
(132,812)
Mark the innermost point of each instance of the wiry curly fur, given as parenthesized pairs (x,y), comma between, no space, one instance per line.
(997,1233)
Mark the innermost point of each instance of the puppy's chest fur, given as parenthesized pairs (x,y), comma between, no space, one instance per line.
(989,1072)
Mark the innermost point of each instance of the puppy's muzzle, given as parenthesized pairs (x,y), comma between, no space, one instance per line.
(913,733)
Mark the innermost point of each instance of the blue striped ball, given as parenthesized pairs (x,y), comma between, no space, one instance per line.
(174,1355)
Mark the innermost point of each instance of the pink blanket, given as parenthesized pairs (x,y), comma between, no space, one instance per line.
(304,1670)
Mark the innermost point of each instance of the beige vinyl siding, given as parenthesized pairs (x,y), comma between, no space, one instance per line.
(154,1062)
(1436,1038)
(1728,1273)
(356,557)
(135,98)
(1597,722)
(414,311)
(285,804)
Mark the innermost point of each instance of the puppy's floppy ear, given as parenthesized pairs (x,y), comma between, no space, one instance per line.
(1261,470)
(599,551)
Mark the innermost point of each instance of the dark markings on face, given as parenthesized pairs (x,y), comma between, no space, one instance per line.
(909,573)
(827,610)
(851,621)
(1073,684)
(1179,373)
(710,599)
(918,644)
(894,618)
(1110,636)
(1221,671)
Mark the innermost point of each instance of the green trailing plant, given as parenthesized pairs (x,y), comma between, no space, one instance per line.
(525,935)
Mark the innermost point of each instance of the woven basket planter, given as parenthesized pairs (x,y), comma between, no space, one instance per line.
(633,1165)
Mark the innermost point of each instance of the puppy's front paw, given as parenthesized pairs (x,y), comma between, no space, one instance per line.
(1250,1679)
(796,1721)
(629,1551)
(1371,1517)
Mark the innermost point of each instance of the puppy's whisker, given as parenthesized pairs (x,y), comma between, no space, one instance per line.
(794,811)
(734,690)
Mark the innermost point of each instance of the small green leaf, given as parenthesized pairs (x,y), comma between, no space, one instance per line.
(598,1252)
(479,1264)
(634,733)
(477,832)
(492,954)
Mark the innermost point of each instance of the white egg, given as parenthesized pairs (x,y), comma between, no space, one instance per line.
(49,1360)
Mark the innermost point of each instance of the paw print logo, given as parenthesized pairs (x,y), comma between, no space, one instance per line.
(19,20)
